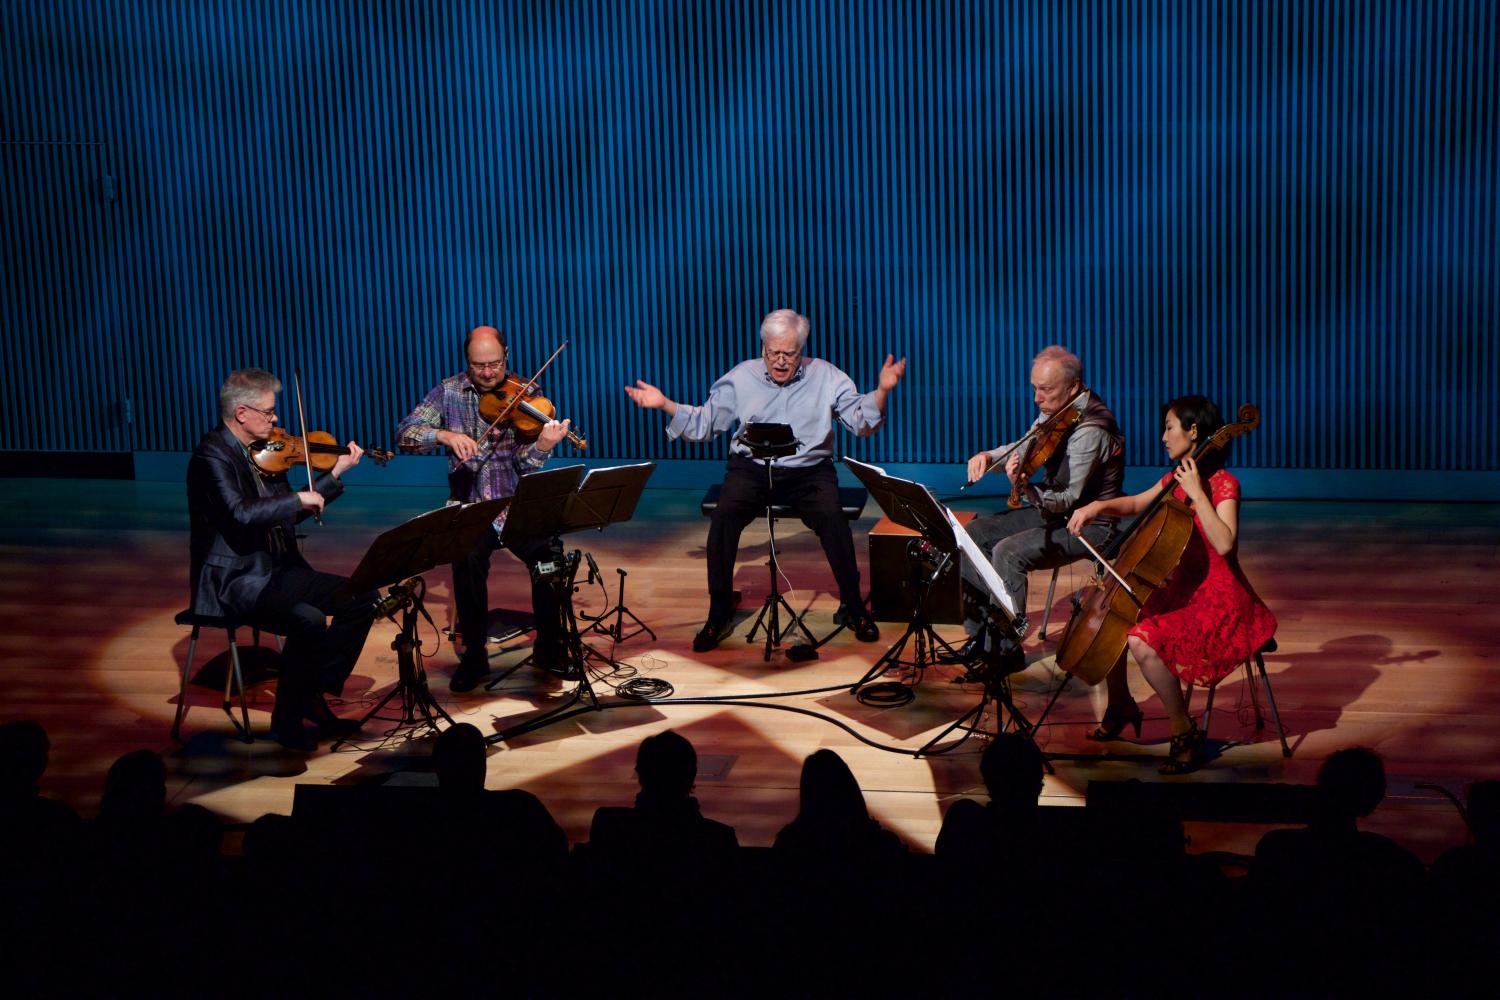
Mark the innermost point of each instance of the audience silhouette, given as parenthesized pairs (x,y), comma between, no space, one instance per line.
(1329,909)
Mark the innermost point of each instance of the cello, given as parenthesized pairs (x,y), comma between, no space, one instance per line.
(1143,557)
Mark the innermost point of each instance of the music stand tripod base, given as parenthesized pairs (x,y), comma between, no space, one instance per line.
(766,443)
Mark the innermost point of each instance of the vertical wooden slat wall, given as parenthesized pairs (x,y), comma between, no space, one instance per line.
(1292,203)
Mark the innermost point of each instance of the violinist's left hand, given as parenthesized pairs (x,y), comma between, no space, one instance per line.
(1187,477)
(348,461)
(891,372)
(552,433)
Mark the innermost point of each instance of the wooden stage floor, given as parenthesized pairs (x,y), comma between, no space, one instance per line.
(1389,623)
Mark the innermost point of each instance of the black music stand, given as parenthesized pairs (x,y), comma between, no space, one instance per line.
(913,506)
(440,536)
(768,442)
(551,504)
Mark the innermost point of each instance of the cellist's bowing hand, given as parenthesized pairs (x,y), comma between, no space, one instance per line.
(462,446)
(552,432)
(645,395)
(892,372)
(349,461)
(1188,478)
(1082,518)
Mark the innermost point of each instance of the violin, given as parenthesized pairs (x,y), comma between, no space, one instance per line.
(280,450)
(1094,640)
(515,401)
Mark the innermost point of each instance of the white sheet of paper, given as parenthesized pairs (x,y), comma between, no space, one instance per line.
(982,567)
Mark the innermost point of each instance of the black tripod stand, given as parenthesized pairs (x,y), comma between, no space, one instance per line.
(919,632)
(1004,660)
(440,536)
(768,442)
(419,710)
(620,611)
(551,504)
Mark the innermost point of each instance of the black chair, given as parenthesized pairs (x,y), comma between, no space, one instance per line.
(234,680)
(851,502)
(1259,665)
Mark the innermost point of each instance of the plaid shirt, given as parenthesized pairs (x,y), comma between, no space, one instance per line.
(454,406)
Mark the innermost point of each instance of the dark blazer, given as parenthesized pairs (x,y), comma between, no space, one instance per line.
(232,524)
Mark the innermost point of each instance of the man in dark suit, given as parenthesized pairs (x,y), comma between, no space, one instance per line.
(245,560)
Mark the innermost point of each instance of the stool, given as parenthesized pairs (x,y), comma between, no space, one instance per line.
(851,502)
(1052,591)
(1260,723)
(233,678)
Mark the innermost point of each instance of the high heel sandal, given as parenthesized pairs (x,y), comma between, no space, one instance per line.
(1185,754)
(1114,723)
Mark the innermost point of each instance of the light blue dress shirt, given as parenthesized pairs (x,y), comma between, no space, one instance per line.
(817,394)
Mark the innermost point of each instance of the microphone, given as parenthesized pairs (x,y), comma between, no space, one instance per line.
(594,575)
(400,593)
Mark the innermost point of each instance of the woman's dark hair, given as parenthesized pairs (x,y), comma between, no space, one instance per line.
(1200,412)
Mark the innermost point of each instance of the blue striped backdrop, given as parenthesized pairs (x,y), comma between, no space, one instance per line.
(1292,203)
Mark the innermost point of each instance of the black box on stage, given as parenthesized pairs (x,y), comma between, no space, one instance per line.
(891,596)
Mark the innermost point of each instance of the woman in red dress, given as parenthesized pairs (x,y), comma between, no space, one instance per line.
(1206,619)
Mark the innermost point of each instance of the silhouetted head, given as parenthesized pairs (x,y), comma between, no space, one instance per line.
(829,791)
(1351,783)
(1484,811)
(1012,771)
(135,788)
(23,756)
(666,765)
(458,757)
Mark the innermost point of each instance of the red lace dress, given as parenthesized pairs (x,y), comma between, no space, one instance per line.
(1206,619)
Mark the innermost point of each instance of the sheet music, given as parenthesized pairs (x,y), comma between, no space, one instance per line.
(981,566)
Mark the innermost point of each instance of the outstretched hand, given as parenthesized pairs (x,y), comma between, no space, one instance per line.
(891,372)
(646,395)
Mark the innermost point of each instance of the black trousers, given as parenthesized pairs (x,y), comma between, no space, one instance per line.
(319,655)
(471,592)
(811,493)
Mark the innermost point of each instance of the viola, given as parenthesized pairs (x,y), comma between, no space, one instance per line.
(517,402)
(1094,640)
(280,450)
(1042,449)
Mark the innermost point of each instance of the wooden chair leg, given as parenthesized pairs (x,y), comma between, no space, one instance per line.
(187,669)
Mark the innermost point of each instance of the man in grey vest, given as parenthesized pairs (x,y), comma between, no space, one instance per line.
(1087,465)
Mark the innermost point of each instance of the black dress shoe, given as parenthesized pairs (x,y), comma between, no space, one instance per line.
(861,624)
(711,634)
(967,653)
(468,675)
(293,736)
(329,725)
(553,657)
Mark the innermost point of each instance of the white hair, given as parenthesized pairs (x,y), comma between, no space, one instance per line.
(781,322)
(245,387)
(1072,368)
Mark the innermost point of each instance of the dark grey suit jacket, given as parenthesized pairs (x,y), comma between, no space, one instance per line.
(232,525)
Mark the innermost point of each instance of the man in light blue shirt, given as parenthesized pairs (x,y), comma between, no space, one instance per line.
(780,387)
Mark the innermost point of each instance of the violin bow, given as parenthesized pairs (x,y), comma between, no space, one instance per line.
(306,445)
(530,384)
(1033,432)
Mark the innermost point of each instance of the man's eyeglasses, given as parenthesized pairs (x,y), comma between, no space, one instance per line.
(487,366)
(783,355)
(268,414)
